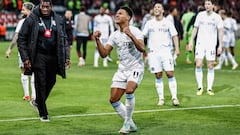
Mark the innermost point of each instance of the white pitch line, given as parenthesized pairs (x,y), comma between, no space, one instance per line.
(221,70)
(114,113)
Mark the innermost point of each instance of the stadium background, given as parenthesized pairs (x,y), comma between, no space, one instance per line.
(79,107)
(10,9)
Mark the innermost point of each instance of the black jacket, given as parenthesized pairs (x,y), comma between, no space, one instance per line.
(28,37)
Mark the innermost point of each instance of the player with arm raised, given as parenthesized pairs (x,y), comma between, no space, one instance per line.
(129,43)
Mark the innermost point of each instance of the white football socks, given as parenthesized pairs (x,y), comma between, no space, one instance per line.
(25,84)
(130,104)
(199,77)
(231,58)
(222,58)
(125,112)
(96,57)
(210,79)
(160,88)
(33,87)
(120,109)
(173,87)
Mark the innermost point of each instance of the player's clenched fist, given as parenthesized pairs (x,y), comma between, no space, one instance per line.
(97,34)
(127,31)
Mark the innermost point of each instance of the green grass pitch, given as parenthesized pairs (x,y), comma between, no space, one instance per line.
(79,104)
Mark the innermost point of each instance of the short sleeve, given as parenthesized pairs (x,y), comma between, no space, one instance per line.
(172,29)
(111,40)
(145,29)
(220,22)
(137,33)
(196,24)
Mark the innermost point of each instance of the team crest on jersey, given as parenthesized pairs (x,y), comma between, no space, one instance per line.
(152,69)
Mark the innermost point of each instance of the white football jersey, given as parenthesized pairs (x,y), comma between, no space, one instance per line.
(104,24)
(234,25)
(159,34)
(208,26)
(19,25)
(18,28)
(170,18)
(233,29)
(227,29)
(129,56)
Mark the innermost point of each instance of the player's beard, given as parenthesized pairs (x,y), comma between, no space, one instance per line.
(24,16)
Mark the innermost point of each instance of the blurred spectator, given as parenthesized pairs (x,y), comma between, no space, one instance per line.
(186,18)
(69,23)
(174,18)
(147,15)
(35,2)
(70,4)
(77,5)
(19,5)
(112,6)
(1,4)
(104,24)
(82,23)
(93,5)
(2,31)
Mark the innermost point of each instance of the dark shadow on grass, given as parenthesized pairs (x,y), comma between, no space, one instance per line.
(68,110)
(223,88)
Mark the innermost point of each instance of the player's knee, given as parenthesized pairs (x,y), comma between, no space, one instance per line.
(129,91)
(170,75)
(210,66)
(113,100)
(158,75)
(198,65)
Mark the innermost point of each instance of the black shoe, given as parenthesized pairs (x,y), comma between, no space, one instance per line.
(44,119)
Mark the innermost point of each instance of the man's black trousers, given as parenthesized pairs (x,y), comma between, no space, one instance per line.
(45,69)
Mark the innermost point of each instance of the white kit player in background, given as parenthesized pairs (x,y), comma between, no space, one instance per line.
(208,28)
(160,33)
(227,26)
(129,43)
(233,30)
(26,10)
(104,24)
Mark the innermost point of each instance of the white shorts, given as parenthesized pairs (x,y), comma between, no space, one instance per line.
(232,41)
(225,44)
(160,61)
(20,63)
(121,78)
(205,51)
